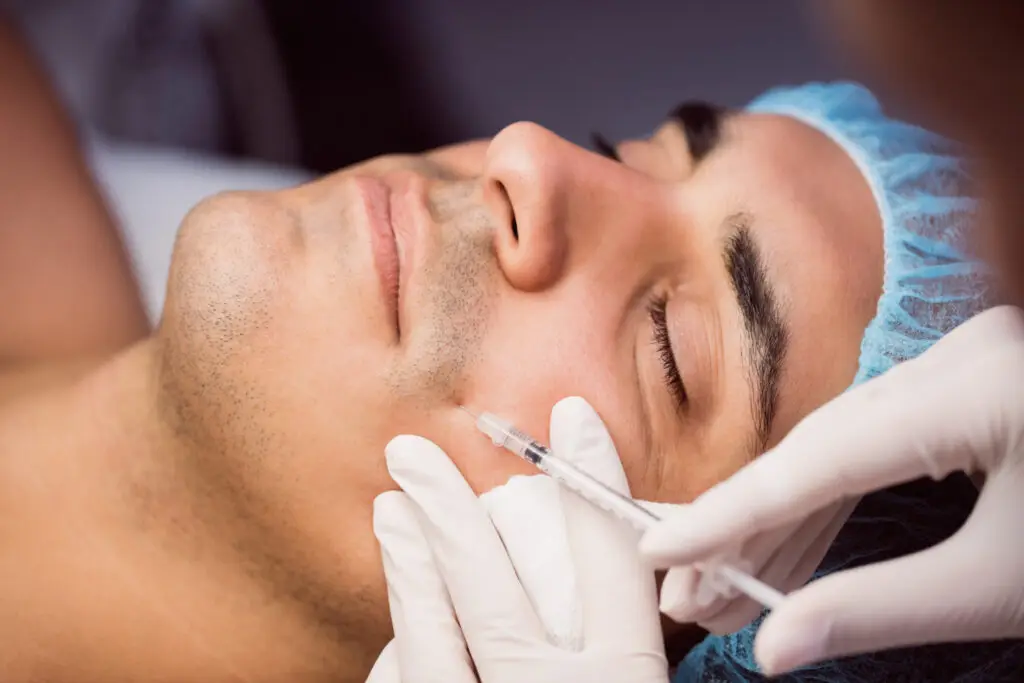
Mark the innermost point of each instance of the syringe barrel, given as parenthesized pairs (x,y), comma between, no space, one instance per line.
(598,493)
(504,434)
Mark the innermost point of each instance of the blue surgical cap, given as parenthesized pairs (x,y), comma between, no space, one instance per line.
(922,190)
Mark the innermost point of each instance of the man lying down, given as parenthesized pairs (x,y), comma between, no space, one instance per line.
(199,507)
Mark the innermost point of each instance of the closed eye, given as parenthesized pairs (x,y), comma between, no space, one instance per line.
(657,309)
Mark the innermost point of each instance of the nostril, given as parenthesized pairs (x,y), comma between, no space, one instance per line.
(511,210)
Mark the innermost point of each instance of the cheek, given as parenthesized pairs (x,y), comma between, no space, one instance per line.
(286,372)
(521,383)
(521,375)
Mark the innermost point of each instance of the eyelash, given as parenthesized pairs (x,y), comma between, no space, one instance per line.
(657,310)
(603,147)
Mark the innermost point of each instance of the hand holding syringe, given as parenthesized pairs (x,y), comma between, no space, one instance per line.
(504,434)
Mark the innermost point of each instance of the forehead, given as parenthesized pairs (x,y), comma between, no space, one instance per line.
(817,227)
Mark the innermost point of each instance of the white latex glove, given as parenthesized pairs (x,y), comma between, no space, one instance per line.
(959,406)
(462,605)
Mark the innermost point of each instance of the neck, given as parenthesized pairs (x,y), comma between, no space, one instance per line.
(126,564)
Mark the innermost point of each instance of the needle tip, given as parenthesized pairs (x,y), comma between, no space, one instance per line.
(469,412)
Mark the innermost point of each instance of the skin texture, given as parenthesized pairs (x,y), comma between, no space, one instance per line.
(953,65)
(204,500)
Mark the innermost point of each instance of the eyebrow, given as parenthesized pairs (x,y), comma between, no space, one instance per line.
(767,337)
(702,125)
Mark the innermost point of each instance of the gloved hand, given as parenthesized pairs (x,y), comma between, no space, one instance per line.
(459,600)
(959,406)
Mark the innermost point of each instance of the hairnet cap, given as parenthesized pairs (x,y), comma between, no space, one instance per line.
(922,190)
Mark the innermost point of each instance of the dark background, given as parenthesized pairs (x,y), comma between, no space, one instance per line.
(323,83)
(404,75)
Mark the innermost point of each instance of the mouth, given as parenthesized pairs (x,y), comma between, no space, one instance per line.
(376,198)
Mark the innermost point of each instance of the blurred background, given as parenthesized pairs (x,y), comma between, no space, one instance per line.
(182,98)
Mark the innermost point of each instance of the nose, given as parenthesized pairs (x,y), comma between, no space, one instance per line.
(548,194)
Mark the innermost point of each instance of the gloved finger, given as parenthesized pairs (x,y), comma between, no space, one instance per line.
(695,600)
(616,587)
(731,609)
(527,513)
(678,589)
(783,558)
(679,583)
(816,537)
(579,436)
(788,568)
(880,433)
(689,595)
(955,591)
(428,646)
(891,429)
(481,581)
(385,669)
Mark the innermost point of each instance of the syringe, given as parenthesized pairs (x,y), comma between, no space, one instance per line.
(504,434)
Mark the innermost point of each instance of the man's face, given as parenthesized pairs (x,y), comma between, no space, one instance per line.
(702,296)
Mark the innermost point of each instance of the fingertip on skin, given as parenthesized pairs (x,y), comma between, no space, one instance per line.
(579,437)
(569,418)
(404,445)
(573,419)
(423,472)
(386,669)
(571,409)
(408,451)
(398,450)
(388,510)
(386,502)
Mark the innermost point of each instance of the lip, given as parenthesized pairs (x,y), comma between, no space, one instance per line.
(376,198)
(409,222)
